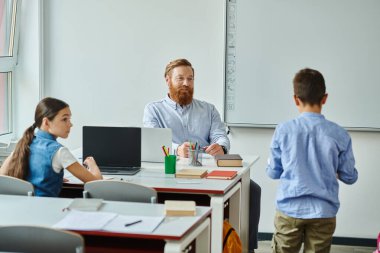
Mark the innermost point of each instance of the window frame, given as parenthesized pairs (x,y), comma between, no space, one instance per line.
(9,62)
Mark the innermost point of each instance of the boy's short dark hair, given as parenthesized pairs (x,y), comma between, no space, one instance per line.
(309,86)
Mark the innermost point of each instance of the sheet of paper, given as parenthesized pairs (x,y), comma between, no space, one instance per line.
(78,220)
(121,224)
(189,181)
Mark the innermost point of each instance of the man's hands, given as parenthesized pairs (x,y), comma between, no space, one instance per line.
(183,150)
(214,149)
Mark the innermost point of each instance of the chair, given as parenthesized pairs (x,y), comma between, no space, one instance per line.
(14,186)
(33,239)
(119,191)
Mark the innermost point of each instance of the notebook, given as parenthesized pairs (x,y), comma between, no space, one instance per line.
(116,150)
(222,174)
(152,140)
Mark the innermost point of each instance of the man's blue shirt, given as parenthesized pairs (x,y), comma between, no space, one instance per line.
(197,122)
(308,153)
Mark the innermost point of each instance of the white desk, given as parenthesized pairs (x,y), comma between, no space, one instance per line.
(235,190)
(176,232)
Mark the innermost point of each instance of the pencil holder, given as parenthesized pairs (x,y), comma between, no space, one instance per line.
(195,157)
(170,164)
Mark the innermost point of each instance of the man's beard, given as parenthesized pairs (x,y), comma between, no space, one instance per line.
(182,95)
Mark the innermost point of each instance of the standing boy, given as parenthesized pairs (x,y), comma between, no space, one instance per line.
(309,154)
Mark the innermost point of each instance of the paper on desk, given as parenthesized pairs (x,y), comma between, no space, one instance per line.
(148,224)
(78,220)
(70,179)
(153,173)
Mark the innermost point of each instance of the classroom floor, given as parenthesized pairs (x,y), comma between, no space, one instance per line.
(264,247)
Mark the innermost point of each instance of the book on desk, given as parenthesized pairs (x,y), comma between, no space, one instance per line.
(180,208)
(229,160)
(222,174)
(191,173)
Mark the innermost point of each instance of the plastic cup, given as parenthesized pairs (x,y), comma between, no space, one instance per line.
(170,164)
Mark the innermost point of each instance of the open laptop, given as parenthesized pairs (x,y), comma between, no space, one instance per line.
(116,150)
(152,140)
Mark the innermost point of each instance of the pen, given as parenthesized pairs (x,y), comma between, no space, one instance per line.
(132,223)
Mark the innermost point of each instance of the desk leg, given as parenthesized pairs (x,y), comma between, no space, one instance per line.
(217,215)
(202,235)
(245,191)
(235,211)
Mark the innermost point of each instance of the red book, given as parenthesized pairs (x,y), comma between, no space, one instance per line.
(222,174)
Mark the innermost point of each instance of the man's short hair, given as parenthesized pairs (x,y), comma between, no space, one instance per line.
(177,63)
(309,86)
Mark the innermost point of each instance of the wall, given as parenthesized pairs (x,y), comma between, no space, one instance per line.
(76,80)
(108,61)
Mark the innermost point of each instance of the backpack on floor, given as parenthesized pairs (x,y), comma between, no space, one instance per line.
(231,240)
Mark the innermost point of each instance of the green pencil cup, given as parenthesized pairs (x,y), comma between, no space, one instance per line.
(170,164)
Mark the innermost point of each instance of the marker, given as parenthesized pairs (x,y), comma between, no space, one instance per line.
(132,223)
(165,152)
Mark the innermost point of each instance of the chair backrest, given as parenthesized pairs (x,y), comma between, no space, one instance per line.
(15,186)
(119,191)
(34,239)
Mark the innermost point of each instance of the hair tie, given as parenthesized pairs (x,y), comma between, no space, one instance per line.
(34,125)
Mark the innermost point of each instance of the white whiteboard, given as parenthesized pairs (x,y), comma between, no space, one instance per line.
(106,58)
(268,41)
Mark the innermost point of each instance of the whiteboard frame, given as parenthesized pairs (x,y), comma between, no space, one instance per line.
(225,93)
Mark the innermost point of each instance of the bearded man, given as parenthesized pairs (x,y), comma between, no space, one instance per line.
(191,120)
(196,121)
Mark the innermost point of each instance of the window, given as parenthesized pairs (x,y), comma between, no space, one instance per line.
(8,60)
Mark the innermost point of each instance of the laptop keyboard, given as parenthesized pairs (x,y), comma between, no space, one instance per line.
(119,170)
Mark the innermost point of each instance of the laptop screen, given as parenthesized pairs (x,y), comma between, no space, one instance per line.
(152,140)
(113,146)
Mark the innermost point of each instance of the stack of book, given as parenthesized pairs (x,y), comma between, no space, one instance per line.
(191,173)
(229,160)
(179,208)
